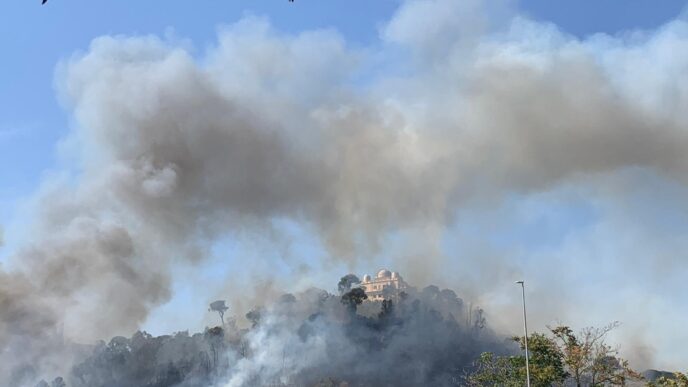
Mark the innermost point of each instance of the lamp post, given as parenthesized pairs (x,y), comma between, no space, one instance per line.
(525,328)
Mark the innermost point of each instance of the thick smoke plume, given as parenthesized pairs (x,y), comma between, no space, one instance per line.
(176,150)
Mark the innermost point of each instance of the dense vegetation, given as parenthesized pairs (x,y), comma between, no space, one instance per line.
(417,338)
(560,358)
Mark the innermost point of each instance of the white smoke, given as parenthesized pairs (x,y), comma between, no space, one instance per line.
(178,151)
(278,354)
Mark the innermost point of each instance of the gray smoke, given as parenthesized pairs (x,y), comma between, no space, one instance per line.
(176,151)
(424,338)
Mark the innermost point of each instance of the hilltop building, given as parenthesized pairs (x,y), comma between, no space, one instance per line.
(385,285)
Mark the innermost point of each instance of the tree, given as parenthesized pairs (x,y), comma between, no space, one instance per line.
(679,379)
(495,371)
(215,338)
(582,359)
(546,361)
(346,282)
(609,370)
(254,317)
(589,360)
(353,298)
(430,292)
(387,310)
(388,292)
(546,366)
(287,298)
(479,320)
(58,382)
(219,307)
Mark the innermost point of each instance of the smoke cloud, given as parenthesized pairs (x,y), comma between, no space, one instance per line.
(309,339)
(177,151)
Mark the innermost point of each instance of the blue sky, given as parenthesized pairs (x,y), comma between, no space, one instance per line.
(33,124)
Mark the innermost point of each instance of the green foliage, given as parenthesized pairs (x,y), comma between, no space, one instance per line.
(589,360)
(582,359)
(546,360)
(493,371)
(678,380)
(546,366)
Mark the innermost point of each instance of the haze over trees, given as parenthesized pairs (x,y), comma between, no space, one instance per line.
(315,338)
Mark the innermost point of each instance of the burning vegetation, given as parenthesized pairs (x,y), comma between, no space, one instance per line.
(314,338)
(425,337)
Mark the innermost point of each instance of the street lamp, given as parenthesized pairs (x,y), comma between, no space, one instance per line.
(525,328)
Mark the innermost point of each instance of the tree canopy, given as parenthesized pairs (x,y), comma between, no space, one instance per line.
(562,357)
(347,282)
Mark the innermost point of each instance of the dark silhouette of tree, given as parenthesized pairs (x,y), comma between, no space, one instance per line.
(430,293)
(388,292)
(254,317)
(219,307)
(353,298)
(144,360)
(386,310)
(215,337)
(479,320)
(287,298)
(347,282)
(58,382)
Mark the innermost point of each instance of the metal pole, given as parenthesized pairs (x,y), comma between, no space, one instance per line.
(525,328)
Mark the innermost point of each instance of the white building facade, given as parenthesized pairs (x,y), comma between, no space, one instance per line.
(386,285)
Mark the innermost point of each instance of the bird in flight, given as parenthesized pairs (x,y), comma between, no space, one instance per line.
(44,1)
